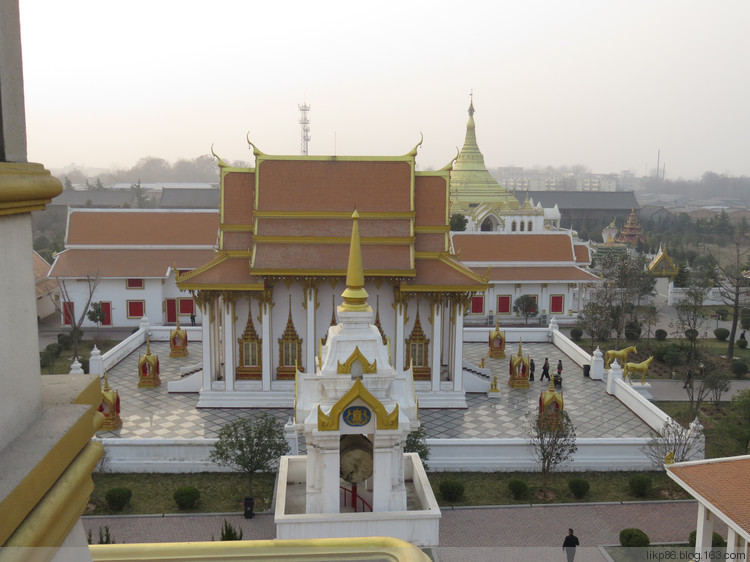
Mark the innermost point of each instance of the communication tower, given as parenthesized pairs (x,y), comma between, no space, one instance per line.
(304,123)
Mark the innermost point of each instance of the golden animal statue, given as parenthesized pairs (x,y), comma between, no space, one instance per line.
(641,368)
(621,356)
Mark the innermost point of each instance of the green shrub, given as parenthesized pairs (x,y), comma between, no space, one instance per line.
(118,498)
(518,488)
(452,490)
(576,334)
(65,340)
(722,313)
(739,368)
(660,334)
(742,344)
(716,539)
(633,330)
(579,487)
(55,349)
(721,334)
(84,361)
(634,538)
(640,485)
(186,496)
(745,322)
(691,334)
(229,533)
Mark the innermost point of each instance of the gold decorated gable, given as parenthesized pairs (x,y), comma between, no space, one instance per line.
(367,367)
(384,420)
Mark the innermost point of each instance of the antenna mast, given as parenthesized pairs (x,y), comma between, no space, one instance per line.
(304,123)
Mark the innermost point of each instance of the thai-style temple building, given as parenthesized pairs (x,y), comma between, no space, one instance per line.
(281,262)
(517,245)
(632,231)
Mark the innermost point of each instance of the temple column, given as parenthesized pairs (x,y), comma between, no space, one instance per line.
(206,343)
(266,304)
(229,342)
(544,303)
(398,346)
(216,351)
(458,336)
(323,473)
(437,342)
(705,529)
(310,304)
(387,494)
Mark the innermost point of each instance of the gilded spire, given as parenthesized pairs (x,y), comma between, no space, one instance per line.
(106,383)
(355,296)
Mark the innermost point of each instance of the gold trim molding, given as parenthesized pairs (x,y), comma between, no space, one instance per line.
(26,187)
(367,367)
(385,420)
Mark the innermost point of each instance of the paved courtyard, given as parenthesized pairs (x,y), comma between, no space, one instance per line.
(154,413)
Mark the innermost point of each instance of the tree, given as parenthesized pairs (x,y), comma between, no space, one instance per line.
(736,425)
(551,447)
(458,222)
(526,306)
(593,320)
(92,281)
(683,443)
(731,280)
(250,445)
(142,200)
(96,314)
(650,316)
(690,318)
(415,443)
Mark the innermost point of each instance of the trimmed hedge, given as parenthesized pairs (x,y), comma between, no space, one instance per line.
(579,487)
(518,488)
(186,496)
(660,334)
(739,368)
(742,344)
(721,334)
(634,538)
(118,498)
(451,490)
(716,539)
(640,485)
(576,334)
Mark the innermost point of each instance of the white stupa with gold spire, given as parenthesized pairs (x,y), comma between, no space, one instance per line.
(355,412)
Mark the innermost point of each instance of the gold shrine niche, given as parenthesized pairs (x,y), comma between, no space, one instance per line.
(290,350)
(417,351)
(519,370)
(148,369)
(250,352)
(497,343)
(178,341)
(110,407)
(550,407)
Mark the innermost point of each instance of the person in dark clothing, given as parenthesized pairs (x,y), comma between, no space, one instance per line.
(192,318)
(742,335)
(545,370)
(532,367)
(559,367)
(569,545)
(688,378)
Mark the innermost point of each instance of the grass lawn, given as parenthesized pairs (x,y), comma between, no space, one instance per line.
(224,492)
(62,364)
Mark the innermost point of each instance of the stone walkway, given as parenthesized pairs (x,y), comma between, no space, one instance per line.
(513,533)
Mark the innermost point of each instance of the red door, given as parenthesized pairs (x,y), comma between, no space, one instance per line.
(107,310)
(171,310)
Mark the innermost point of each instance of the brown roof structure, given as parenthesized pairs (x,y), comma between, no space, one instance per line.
(147,227)
(565,274)
(520,247)
(722,484)
(43,283)
(291,215)
(582,253)
(125,263)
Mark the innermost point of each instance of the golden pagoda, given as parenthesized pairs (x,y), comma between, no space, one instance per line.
(148,369)
(550,406)
(178,341)
(471,182)
(497,342)
(110,407)
(519,369)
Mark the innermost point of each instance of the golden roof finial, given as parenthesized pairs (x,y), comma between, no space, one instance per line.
(148,345)
(355,296)
(106,383)
(520,348)
(551,385)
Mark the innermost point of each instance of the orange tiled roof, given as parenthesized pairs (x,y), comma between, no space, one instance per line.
(582,254)
(444,274)
(564,274)
(44,285)
(723,483)
(117,227)
(223,273)
(331,258)
(493,247)
(125,263)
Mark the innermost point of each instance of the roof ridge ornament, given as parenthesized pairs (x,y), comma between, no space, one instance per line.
(256,150)
(219,161)
(413,151)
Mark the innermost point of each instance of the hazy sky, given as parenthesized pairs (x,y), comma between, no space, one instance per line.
(604,83)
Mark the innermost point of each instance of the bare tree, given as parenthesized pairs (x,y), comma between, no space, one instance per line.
(690,318)
(551,446)
(92,281)
(732,283)
(683,443)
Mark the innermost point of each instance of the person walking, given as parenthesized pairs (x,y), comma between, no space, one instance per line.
(545,370)
(532,368)
(559,367)
(569,545)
